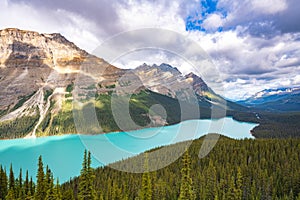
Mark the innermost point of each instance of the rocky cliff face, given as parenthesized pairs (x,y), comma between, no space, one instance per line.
(30,44)
(199,86)
(29,61)
(168,80)
(36,69)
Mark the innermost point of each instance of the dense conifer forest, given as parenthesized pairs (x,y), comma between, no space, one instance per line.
(234,169)
(271,124)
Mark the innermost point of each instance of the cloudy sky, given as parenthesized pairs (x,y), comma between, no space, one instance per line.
(253,44)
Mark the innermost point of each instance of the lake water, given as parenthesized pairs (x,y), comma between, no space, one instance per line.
(64,154)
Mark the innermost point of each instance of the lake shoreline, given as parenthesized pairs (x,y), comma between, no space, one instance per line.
(28,136)
(63,153)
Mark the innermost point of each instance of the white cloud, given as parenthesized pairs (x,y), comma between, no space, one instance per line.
(74,27)
(269,6)
(144,14)
(213,22)
(296,80)
(247,62)
(262,18)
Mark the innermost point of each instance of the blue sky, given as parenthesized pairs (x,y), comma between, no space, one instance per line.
(254,44)
(195,19)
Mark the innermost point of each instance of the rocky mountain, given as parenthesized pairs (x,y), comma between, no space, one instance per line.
(41,74)
(169,81)
(30,61)
(280,99)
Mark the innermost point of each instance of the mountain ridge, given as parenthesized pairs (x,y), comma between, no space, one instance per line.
(279,99)
(41,74)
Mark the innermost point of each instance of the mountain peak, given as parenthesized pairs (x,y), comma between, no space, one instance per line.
(196,81)
(276,91)
(279,99)
(191,75)
(163,67)
(16,30)
(166,67)
(40,40)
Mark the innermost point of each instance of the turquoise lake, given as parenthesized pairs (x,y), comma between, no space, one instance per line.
(64,154)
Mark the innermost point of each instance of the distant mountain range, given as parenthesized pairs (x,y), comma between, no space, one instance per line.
(281,99)
(39,75)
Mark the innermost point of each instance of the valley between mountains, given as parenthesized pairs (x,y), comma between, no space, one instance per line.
(45,79)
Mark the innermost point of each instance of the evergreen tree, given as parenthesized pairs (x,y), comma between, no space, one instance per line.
(186,184)
(20,186)
(40,192)
(57,190)
(298,198)
(91,177)
(68,195)
(11,194)
(31,187)
(11,185)
(48,179)
(159,190)
(86,181)
(50,192)
(253,189)
(216,197)
(231,194)
(239,184)
(291,195)
(3,183)
(53,192)
(146,191)
(26,184)
(211,180)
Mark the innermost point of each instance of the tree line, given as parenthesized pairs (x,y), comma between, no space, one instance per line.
(46,187)
(234,169)
(249,169)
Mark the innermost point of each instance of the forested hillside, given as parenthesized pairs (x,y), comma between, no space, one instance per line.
(271,125)
(234,169)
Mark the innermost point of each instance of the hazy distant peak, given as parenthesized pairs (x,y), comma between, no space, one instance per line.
(278,91)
